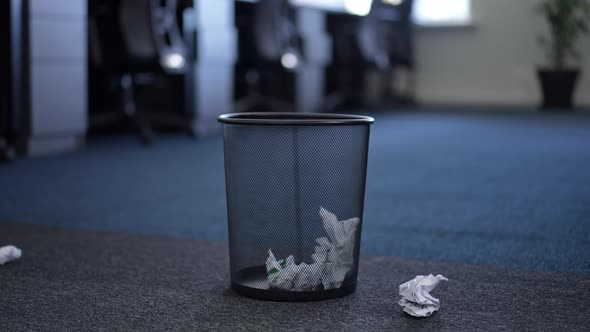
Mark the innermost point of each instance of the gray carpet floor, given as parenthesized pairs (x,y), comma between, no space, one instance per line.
(499,188)
(89,280)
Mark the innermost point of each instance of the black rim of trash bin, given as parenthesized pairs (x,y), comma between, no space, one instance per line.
(295,119)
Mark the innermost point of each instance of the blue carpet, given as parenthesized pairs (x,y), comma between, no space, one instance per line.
(507,189)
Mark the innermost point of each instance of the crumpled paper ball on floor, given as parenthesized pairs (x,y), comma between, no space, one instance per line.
(9,253)
(416,298)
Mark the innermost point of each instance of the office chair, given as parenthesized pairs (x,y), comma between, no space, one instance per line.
(398,32)
(135,46)
(398,36)
(367,43)
(8,85)
(357,46)
(7,151)
(272,48)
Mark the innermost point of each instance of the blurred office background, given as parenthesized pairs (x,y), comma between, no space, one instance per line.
(108,117)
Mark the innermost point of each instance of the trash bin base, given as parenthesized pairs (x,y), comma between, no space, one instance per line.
(257,276)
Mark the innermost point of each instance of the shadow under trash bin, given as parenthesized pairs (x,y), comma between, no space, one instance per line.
(295,186)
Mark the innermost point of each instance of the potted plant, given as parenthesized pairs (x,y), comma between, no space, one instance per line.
(568,21)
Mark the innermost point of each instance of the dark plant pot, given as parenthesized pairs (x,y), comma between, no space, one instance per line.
(558,87)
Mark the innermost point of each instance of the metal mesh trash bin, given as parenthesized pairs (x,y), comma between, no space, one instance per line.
(295,187)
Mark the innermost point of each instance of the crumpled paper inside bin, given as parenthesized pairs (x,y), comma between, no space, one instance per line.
(333,258)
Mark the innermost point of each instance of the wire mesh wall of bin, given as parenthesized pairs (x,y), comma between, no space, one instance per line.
(295,185)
